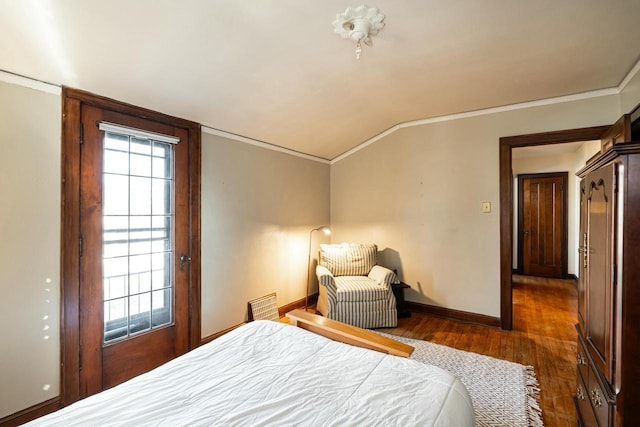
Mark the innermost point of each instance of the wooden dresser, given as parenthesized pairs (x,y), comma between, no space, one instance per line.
(608,359)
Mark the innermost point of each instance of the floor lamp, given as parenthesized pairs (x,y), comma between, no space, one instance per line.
(326,230)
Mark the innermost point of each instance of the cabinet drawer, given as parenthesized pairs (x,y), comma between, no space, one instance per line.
(600,401)
(582,360)
(585,413)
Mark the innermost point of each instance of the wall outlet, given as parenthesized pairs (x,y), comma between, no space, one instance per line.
(486,207)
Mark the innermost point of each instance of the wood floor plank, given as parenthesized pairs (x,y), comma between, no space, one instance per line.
(544,313)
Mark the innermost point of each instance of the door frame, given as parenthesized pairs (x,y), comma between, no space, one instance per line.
(72,101)
(565,218)
(506,144)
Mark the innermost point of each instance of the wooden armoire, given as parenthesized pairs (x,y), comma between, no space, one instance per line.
(608,359)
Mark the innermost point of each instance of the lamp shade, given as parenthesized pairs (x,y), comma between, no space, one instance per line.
(325,229)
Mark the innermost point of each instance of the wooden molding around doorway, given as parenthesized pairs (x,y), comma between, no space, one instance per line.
(506,200)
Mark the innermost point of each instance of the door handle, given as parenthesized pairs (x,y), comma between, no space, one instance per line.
(183,258)
(526,234)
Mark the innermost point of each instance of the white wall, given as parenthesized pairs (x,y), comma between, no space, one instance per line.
(258,207)
(29,247)
(570,163)
(418,192)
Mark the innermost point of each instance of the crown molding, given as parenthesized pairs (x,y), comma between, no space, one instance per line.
(13,78)
(476,113)
(631,74)
(548,101)
(20,80)
(262,144)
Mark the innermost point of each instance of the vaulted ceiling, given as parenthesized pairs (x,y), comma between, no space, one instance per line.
(274,71)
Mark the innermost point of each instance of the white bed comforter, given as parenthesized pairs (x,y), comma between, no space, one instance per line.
(267,373)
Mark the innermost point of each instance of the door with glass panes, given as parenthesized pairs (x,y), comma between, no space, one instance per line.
(134,214)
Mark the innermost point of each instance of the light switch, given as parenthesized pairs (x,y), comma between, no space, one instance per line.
(486,207)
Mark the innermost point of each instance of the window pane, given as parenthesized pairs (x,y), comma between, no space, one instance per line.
(161,270)
(116,162)
(115,267)
(115,309)
(116,154)
(115,198)
(161,304)
(115,287)
(141,146)
(116,236)
(140,309)
(140,157)
(140,196)
(161,167)
(161,234)
(162,197)
(140,303)
(115,141)
(140,235)
(139,282)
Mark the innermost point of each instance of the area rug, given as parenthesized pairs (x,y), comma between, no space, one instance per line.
(503,393)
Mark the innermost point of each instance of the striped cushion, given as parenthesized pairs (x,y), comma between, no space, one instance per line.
(372,314)
(359,288)
(348,259)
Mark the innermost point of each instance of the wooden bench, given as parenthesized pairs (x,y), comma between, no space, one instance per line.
(348,334)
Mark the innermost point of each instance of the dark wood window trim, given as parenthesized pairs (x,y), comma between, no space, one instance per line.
(506,201)
(72,100)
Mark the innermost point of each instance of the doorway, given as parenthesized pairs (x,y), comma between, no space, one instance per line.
(543,224)
(506,145)
(131,242)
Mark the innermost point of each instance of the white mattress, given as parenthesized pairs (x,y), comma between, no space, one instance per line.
(267,373)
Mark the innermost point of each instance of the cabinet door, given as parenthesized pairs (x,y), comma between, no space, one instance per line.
(582,260)
(600,212)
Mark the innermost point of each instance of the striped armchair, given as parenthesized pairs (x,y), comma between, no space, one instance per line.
(353,289)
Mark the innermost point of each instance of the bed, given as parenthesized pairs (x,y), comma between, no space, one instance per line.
(269,373)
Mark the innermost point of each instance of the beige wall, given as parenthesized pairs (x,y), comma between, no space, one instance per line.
(258,207)
(417,193)
(29,247)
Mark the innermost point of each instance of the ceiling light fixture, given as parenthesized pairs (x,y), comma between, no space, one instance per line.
(359,24)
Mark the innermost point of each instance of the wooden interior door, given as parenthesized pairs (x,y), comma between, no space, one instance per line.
(542,223)
(134,227)
(599,272)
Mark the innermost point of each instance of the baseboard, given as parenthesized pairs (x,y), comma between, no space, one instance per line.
(31,413)
(449,313)
(212,337)
(313,299)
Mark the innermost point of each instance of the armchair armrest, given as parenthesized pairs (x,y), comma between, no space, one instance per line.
(383,275)
(325,278)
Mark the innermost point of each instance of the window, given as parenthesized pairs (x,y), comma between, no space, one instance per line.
(138,242)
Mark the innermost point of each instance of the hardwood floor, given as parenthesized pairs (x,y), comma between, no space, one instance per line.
(544,313)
